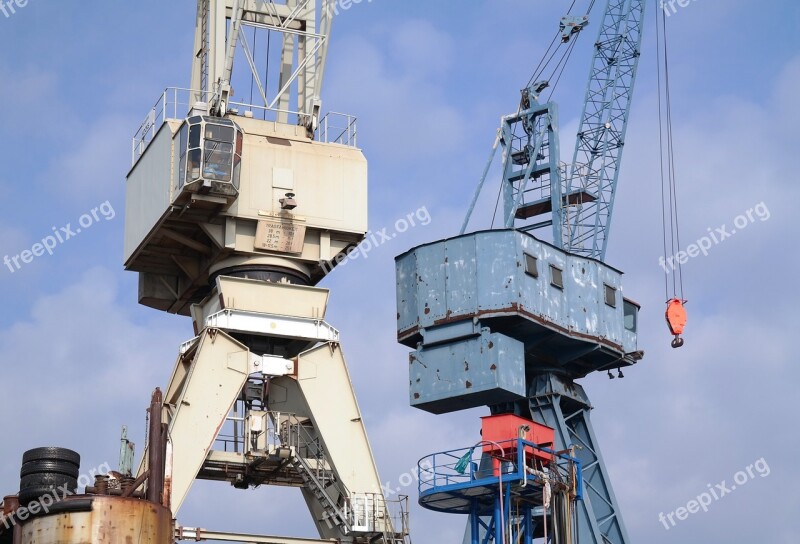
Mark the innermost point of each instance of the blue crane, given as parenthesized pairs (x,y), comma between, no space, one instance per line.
(505,319)
(575,200)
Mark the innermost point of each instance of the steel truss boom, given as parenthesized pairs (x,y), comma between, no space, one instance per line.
(601,136)
(304,26)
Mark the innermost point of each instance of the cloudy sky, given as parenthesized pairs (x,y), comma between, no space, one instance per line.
(428,81)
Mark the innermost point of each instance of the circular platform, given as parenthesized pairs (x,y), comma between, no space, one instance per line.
(460,498)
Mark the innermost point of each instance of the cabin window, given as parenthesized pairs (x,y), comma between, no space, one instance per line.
(210,150)
(184,149)
(631,312)
(531,266)
(556,277)
(218,153)
(611,296)
(195,154)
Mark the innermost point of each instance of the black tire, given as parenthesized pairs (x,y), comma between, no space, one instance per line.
(48,467)
(47,480)
(34,494)
(52,454)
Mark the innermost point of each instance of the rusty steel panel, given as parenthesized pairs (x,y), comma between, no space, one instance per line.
(407,302)
(467,374)
(431,283)
(509,282)
(496,277)
(484,275)
(10,504)
(460,273)
(111,520)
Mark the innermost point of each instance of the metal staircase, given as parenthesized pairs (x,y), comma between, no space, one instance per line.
(287,449)
(335,512)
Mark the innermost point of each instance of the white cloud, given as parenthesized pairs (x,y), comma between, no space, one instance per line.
(401,98)
(91,166)
(82,361)
(78,367)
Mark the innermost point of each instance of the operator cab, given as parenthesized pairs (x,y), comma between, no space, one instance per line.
(210,150)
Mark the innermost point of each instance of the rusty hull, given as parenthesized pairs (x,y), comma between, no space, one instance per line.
(111,520)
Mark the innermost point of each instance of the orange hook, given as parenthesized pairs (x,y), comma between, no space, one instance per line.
(676,319)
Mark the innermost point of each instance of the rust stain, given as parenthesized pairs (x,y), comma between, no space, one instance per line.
(519,309)
(110,520)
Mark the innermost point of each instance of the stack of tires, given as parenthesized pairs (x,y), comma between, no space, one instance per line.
(48,471)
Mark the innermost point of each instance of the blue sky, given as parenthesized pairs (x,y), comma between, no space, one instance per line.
(428,81)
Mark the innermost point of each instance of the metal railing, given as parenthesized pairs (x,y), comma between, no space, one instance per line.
(373,513)
(399,516)
(364,512)
(338,128)
(172,103)
(512,459)
(177,102)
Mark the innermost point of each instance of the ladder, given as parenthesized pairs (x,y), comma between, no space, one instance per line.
(335,512)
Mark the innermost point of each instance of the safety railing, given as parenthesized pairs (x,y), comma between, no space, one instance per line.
(399,516)
(283,430)
(512,460)
(338,128)
(176,103)
(172,103)
(373,513)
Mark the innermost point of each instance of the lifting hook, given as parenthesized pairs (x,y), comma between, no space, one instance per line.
(676,319)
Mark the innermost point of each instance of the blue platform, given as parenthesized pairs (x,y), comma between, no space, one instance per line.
(444,488)
(512,492)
